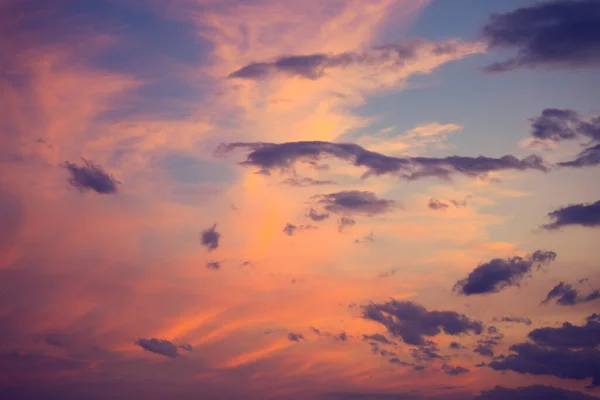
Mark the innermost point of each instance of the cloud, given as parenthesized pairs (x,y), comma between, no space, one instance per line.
(306,181)
(455,345)
(268,157)
(454,370)
(587,158)
(186,347)
(368,238)
(518,320)
(498,274)
(530,358)
(533,392)
(587,215)
(355,202)
(435,204)
(158,346)
(317,216)
(413,322)
(569,296)
(210,238)
(568,335)
(345,222)
(427,352)
(91,177)
(552,34)
(315,66)
(377,337)
(291,229)
(213,265)
(295,337)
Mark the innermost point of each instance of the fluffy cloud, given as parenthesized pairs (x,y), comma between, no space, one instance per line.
(569,335)
(317,216)
(295,337)
(498,274)
(355,202)
(454,370)
(435,204)
(556,34)
(291,229)
(268,157)
(587,215)
(413,322)
(91,177)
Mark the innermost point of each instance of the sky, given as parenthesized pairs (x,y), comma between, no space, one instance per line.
(311,200)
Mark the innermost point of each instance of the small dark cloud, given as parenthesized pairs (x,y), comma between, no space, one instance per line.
(186,347)
(534,392)
(213,265)
(569,335)
(91,177)
(551,34)
(435,204)
(210,238)
(426,352)
(291,229)
(355,202)
(587,215)
(567,295)
(517,320)
(342,337)
(498,274)
(454,370)
(269,157)
(306,181)
(295,337)
(484,350)
(530,358)
(345,222)
(377,337)
(455,346)
(413,322)
(317,216)
(158,346)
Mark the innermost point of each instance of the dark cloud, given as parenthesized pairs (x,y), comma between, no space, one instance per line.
(345,222)
(413,322)
(355,202)
(518,320)
(342,337)
(552,34)
(587,158)
(485,347)
(377,337)
(158,346)
(457,370)
(210,238)
(291,229)
(295,337)
(268,157)
(587,215)
(91,177)
(568,335)
(497,274)
(534,392)
(317,216)
(54,340)
(567,295)
(314,66)
(530,358)
(186,347)
(455,345)
(306,181)
(435,204)
(427,352)
(213,265)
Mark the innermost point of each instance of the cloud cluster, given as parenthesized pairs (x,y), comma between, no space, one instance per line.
(552,34)
(568,352)
(498,274)
(413,322)
(567,295)
(90,176)
(587,215)
(291,229)
(269,157)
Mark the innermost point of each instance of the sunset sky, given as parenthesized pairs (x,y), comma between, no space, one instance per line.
(300,200)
